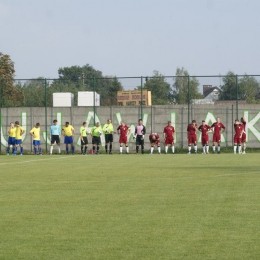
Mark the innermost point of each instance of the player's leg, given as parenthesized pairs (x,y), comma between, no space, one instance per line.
(137,144)
(142,146)
(218,146)
(195,145)
(111,143)
(82,146)
(214,143)
(159,148)
(235,145)
(173,147)
(239,148)
(107,142)
(207,147)
(126,145)
(120,148)
(86,144)
(21,148)
(72,145)
(152,147)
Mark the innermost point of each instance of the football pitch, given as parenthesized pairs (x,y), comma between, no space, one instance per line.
(130,206)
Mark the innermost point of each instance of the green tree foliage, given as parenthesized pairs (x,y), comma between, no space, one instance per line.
(245,88)
(160,89)
(10,95)
(180,87)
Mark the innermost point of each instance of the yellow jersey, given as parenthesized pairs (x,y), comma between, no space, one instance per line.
(12,131)
(19,130)
(68,130)
(36,133)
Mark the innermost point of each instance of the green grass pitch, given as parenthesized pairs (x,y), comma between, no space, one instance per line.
(130,206)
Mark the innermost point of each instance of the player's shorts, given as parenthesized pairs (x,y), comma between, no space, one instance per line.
(36,142)
(84,141)
(169,140)
(204,139)
(55,138)
(139,140)
(18,141)
(237,140)
(157,142)
(96,140)
(243,139)
(216,138)
(109,138)
(68,140)
(192,139)
(11,140)
(123,139)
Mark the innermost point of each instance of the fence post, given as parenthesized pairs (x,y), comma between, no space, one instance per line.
(141,98)
(94,99)
(45,104)
(0,115)
(188,99)
(236,97)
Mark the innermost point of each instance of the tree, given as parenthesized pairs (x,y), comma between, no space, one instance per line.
(180,87)
(10,95)
(160,89)
(249,89)
(228,89)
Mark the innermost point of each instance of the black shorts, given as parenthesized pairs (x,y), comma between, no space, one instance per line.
(139,140)
(55,138)
(96,140)
(109,138)
(84,141)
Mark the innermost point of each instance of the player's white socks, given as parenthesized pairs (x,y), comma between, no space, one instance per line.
(207,148)
(166,149)
(189,148)
(51,149)
(235,149)
(127,149)
(159,149)
(244,147)
(214,148)
(239,149)
(195,148)
(58,149)
(152,148)
(219,148)
(120,149)
(173,149)
(203,148)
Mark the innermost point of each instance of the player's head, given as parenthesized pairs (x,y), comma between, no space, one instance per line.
(203,122)
(84,124)
(55,121)
(109,121)
(97,124)
(140,121)
(193,122)
(122,123)
(242,119)
(236,121)
(37,125)
(218,119)
(169,123)
(154,137)
(11,124)
(67,123)
(16,123)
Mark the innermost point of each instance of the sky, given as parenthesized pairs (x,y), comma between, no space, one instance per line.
(131,38)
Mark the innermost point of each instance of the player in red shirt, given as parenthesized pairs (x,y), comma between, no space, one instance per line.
(192,136)
(168,136)
(238,135)
(243,141)
(123,130)
(155,140)
(218,129)
(204,129)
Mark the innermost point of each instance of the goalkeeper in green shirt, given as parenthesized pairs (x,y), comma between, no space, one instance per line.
(83,138)
(96,132)
(108,129)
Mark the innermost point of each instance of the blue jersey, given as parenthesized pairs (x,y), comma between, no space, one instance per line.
(55,130)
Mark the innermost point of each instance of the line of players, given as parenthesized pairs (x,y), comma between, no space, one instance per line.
(16,131)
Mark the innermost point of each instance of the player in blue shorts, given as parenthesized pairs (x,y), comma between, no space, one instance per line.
(68,132)
(36,134)
(18,138)
(11,138)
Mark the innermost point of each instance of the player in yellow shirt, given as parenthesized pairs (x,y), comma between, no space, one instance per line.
(68,132)
(11,138)
(36,134)
(108,129)
(18,138)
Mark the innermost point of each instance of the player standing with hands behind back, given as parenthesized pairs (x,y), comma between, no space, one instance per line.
(96,132)
(192,136)
(108,129)
(139,135)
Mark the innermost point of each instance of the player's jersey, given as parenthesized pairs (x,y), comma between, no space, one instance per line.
(68,130)
(36,133)
(140,130)
(168,131)
(192,129)
(157,138)
(238,130)
(83,131)
(19,130)
(204,129)
(12,132)
(95,131)
(123,130)
(217,128)
(108,129)
(244,127)
(55,130)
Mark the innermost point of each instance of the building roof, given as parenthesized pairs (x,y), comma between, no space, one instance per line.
(208,89)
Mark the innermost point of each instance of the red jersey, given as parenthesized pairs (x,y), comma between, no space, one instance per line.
(238,130)
(244,126)
(192,129)
(217,128)
(156,136)
(168,131)
(204,129)
(123,130)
